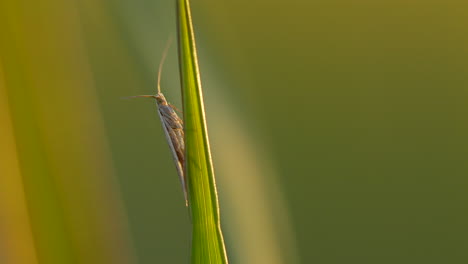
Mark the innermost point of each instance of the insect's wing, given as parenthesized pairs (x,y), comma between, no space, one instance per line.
(170,115)
(175,125)
(173,129)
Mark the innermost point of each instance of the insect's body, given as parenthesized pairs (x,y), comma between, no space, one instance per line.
(174,131)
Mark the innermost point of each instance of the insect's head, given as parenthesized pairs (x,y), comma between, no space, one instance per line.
(160,98)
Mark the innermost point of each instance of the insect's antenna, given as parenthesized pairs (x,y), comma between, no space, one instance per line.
(138,96)
(166,49)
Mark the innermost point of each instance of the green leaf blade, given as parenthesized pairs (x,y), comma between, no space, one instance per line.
(207,239)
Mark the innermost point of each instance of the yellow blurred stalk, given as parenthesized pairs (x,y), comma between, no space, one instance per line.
(254,204)
(15,228)
(62,202)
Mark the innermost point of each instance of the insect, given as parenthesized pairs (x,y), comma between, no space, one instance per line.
(172,125)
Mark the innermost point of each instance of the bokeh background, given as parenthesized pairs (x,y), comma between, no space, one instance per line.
(338,131)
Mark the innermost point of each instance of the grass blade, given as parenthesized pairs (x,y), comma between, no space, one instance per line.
(207,239)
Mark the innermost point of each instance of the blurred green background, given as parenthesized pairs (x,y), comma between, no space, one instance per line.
(338,131)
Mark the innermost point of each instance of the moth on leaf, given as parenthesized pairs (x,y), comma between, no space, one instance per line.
(172,125)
